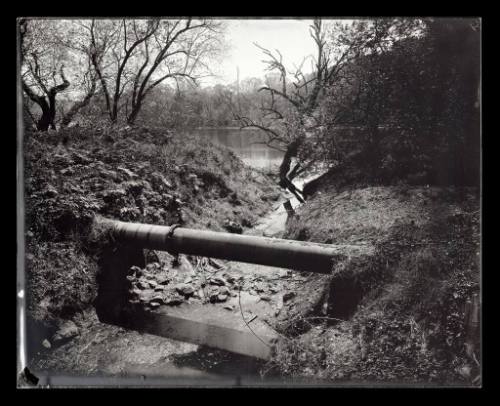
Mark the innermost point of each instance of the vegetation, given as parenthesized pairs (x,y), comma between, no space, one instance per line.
(142,175)
(390,106)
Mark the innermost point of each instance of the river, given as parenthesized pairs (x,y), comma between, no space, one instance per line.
(247,144)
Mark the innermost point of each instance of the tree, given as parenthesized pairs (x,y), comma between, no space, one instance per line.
(50,48)
(138,55)
(41,65)
(292,117)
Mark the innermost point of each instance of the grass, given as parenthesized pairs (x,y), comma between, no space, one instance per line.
(404,304)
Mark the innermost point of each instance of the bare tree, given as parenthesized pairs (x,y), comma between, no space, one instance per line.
(138,55)
(39,80)
(291,118)
(50,47)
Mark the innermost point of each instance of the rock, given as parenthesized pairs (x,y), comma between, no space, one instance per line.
(67,331)
(157,299)
(274,289)
(214,296)
(229,307)
(135,270)
(224,290)
(154,304)
(221,298)
(152,260)
(259,287)
(174,301)
(46,344)
(152,284)
(159,288)
(146,295)
(231,280)
(184,289)
(217,280)
(233,227)
(265,298)
(188,280)
(143,285)
(164,281)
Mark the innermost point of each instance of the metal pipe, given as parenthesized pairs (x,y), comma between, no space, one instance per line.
(297,255)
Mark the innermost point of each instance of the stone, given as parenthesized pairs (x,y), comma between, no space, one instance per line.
(224,290)
(164,281)
(217,280)
(184,289)
(154,304)
(289,295)
(143,285)
(46,344)
(229,307)
(188,280)
(135,270)
(157,299)
(174,301)
(221,298)
(159,288)
(259,287)
(152,266)
(214,296)
(230,278)
(265,298)
(67,331)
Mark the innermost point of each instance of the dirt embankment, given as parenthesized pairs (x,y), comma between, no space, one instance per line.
(399,309)
(143,175)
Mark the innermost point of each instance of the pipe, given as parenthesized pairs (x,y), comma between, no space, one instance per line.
(297,255)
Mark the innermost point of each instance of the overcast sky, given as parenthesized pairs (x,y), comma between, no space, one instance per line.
(290,36)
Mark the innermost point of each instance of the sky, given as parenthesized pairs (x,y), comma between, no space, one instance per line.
(291,37)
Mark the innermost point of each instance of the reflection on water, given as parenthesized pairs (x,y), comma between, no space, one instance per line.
(245,144)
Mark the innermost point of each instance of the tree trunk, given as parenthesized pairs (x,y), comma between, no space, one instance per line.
(133,114)
(46,120)
(285,182)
